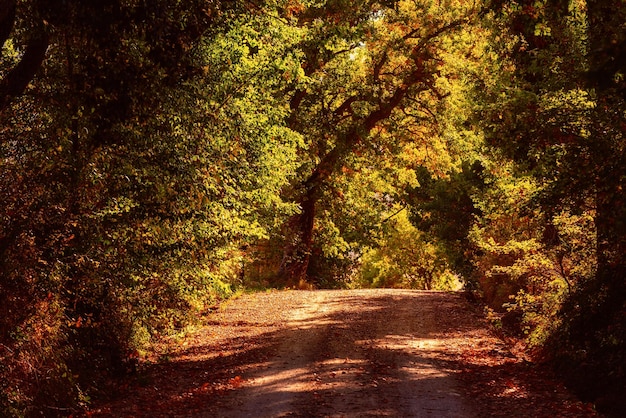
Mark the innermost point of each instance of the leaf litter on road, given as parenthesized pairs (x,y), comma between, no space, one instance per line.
(378,352)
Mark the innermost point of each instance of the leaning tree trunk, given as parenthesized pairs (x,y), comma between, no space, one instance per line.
(418,78)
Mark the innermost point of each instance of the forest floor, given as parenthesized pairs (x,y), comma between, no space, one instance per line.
(340,353)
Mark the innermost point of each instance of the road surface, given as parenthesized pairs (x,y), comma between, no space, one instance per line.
(343,353)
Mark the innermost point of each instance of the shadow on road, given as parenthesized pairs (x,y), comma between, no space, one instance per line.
(345,354)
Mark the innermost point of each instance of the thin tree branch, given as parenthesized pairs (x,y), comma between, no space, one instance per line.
(396,213)
(417,51)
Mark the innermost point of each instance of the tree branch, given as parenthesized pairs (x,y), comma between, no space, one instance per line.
(345,106)
(379,65)
(396,213)
(364,126)
(445,28)
(16,81)
(7,19)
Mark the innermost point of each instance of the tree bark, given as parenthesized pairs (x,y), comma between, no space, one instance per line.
(16,80)
(7,19)
(607,56)
(298,251)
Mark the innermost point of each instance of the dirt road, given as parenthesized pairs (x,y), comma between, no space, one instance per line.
(366,353)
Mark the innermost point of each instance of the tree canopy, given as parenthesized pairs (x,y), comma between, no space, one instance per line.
(158,156)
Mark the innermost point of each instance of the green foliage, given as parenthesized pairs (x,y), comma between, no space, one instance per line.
(134,172)
(372,89)
(166,153)
(404,259)
(444,208)
(555,116)
(529,267)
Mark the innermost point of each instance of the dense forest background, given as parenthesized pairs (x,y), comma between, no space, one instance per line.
(158,156)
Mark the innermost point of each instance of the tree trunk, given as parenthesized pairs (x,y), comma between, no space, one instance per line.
(607,58)
(15,81)
(417,79)
(594,318)
(297,252)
